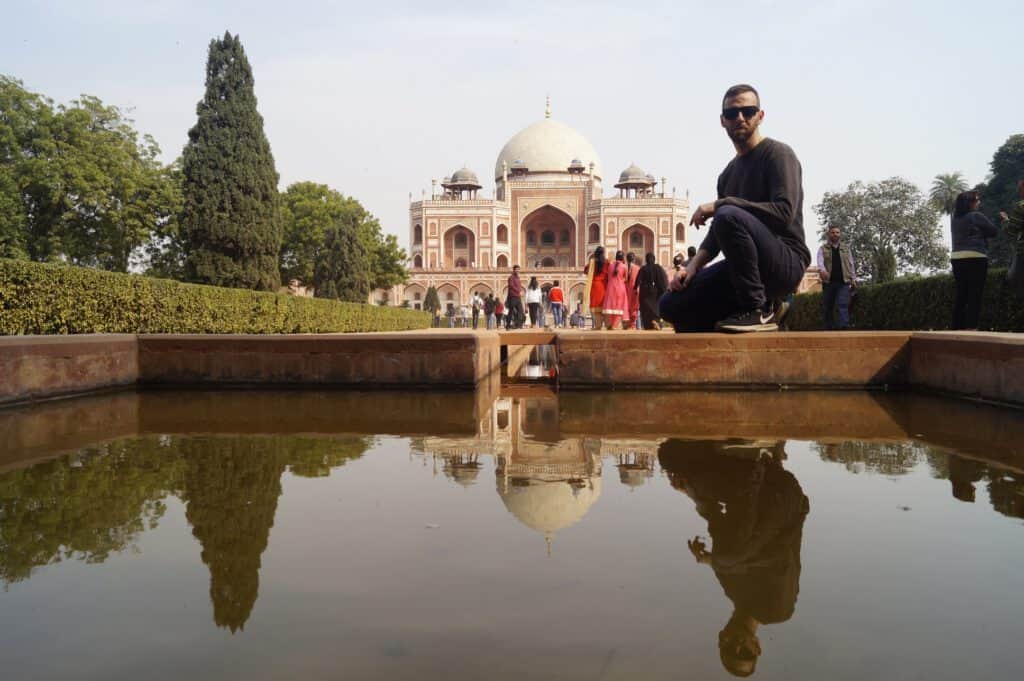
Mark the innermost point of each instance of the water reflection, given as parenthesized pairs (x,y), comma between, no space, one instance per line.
(85,494)
(755,510)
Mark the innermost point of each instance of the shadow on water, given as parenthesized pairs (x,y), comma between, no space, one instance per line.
(83,479)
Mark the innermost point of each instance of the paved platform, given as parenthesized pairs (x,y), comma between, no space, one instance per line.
(983,365)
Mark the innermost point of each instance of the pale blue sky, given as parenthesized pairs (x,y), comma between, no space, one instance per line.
(375,99)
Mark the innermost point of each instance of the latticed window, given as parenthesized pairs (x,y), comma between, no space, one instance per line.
(461,240)
(547,237)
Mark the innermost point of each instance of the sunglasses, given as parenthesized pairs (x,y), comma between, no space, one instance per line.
(733,112)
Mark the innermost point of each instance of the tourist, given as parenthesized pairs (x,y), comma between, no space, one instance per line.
(499,312)
(838,278)
(465,316)
(489,310)
(971,231)
(758,227)
(477,304)
(514,315)
(450,312)
(651,284)
(597,279)
(1013,225)
(690,253)
(755,510)
(542,312)
(533,301)
(629,320)
(678,262)
(615,300)
(556,298)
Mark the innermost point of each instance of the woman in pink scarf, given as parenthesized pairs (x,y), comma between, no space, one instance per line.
(615,298)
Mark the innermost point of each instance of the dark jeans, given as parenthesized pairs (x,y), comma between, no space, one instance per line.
(476,318)
(514,315)
(758,265)
(836,295)
(969,275)
(534,314)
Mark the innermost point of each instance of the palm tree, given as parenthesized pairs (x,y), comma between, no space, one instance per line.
(944,190)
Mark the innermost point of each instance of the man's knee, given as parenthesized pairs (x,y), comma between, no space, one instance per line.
(731,218)
(668,307)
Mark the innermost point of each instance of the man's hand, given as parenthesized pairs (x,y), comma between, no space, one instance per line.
(824,276)
(682,278)
(701,215)
(699,551)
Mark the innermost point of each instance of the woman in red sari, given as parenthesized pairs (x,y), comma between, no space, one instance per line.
(615,298)
(598,281)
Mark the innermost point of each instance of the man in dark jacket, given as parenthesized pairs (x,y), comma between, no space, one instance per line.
(758,227)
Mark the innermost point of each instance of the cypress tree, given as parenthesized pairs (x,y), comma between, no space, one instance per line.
(231,225)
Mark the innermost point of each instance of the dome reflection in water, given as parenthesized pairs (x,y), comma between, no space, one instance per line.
(427,535)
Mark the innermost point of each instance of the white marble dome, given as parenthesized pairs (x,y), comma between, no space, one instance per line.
(548,146)
(548,506)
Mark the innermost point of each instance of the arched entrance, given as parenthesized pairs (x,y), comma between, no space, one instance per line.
(547,234)
(502,262)
(638,240)
(459,248)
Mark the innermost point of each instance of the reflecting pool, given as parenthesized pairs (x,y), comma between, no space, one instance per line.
(521,534)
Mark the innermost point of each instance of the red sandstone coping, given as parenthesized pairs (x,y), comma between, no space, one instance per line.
(983,365)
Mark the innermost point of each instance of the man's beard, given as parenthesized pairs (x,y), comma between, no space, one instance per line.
(740,135)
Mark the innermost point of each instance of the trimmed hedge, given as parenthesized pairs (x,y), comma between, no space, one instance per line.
(57,299)
(924,303)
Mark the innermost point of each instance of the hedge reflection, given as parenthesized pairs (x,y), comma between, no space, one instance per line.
(97,501)
(1005,487)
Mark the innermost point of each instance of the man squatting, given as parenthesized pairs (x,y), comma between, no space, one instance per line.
(757,227)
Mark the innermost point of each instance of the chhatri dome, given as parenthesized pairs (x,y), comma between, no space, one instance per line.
(547,146)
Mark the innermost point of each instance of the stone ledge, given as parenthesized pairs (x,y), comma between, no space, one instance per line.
(456,359)
(44,367)
(637,359)
(978,364)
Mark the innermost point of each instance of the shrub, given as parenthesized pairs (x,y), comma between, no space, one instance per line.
(55,299)
(915,303)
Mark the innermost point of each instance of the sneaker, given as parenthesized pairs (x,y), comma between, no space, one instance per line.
(752,320)
(781,307)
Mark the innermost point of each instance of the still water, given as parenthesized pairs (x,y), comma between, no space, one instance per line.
(523,535)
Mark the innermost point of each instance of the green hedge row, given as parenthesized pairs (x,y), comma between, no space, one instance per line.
(57,299)
(924,303)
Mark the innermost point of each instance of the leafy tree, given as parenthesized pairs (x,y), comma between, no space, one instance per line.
(343,266)
(890,226)
(77,183)
(387,259)
(231,223)
(945,188)
(999,192)
(431,301)
(309,210)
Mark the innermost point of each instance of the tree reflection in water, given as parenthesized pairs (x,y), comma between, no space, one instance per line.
(755,511)
(96,502)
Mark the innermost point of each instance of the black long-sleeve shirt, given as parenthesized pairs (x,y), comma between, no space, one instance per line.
(767,183)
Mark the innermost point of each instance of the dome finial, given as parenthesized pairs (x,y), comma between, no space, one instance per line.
(547,107)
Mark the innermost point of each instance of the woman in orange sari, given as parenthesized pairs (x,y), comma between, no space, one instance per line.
(629,319)
(597,278)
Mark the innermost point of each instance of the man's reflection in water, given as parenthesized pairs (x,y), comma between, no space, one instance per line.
(755,511)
